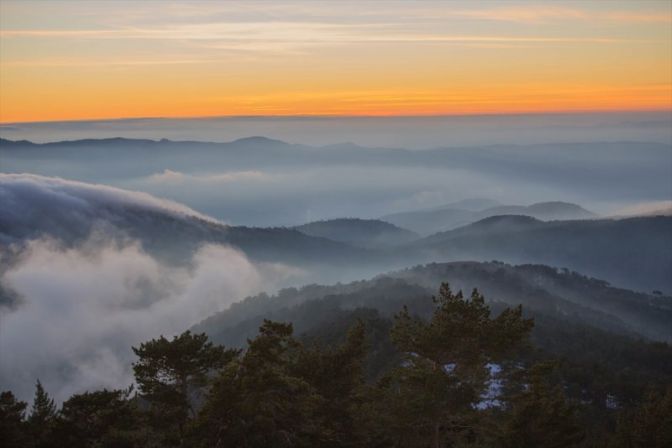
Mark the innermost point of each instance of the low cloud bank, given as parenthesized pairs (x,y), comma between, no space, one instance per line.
(83,308)
(84,301)
(33,203)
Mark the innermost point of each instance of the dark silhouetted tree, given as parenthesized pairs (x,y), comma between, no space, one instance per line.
(171,374)
(42,417)
(649,425)
(541,415)
(444,372)
(258,400)
(12,423)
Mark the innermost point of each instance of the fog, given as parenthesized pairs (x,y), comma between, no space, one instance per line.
(105,244)
(405,132)
(83,308)
(35,204)
(262,182)
(87,291)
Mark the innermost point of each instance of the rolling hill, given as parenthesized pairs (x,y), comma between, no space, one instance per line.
(542,290)
(635,253)
(449,217)
(369,233)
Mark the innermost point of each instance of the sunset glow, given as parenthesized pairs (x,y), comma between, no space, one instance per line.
(85,60)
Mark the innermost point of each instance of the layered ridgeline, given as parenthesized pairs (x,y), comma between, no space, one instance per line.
(604,337)
(72,212)
(581,162)
(367,233)
(108,268)
(451,216)
(262,182)
(632,252)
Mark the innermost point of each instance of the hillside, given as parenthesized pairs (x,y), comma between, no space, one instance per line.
(369,233)
(635,253)
(72,213)
(540,289)
(446,218)
(594,329)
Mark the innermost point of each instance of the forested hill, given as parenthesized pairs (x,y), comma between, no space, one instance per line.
(372,233)
(593,331)
(561,294)
(635,253)
(451,216)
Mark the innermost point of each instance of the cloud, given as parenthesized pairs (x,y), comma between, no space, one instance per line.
(88,291)
(646,209)
(84,307)
(33,204)
(175,177)
(16,188)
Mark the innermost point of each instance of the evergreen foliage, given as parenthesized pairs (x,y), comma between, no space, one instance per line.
(460,377)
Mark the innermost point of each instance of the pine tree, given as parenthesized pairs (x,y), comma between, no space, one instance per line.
(541,416)
(12,424)
(168,373)
(42,417)
(259,400)
(444,372)
(649,425)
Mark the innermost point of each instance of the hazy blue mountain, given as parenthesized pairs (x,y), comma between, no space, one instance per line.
(263,182)
(369,233)
(634,252)
(451,216)
(72,213)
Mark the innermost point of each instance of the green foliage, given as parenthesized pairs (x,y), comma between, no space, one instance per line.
(649,425)
(541,416)
(360,379)
(444,372)
(256,401)
(12,425)
(42,417)
(168,372)
(103,418)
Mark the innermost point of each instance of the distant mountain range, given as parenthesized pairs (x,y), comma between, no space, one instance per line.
(634,252)
(367,233)
(451,216)
(635,172)
(566,160)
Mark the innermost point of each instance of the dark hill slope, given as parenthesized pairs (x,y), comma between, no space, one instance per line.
(635,253)
(562,295)
(443,219)
(371,233)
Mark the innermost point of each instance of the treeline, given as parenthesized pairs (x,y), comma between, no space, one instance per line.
(459,379)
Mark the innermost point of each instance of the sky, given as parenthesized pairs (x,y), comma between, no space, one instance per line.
(76,60)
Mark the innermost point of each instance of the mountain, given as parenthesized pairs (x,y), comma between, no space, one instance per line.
(543,291)
(434,220)
(263,182)
(368,233)
(635,253)
(72,213)
(604,340)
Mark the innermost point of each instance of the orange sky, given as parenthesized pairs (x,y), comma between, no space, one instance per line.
(85,60)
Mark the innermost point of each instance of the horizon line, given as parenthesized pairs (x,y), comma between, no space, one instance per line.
(336,116)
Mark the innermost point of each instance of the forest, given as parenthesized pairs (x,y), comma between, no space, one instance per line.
(459,377)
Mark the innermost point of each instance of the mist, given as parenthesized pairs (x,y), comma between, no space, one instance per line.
(83,308)
(85,290)
(406,132)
